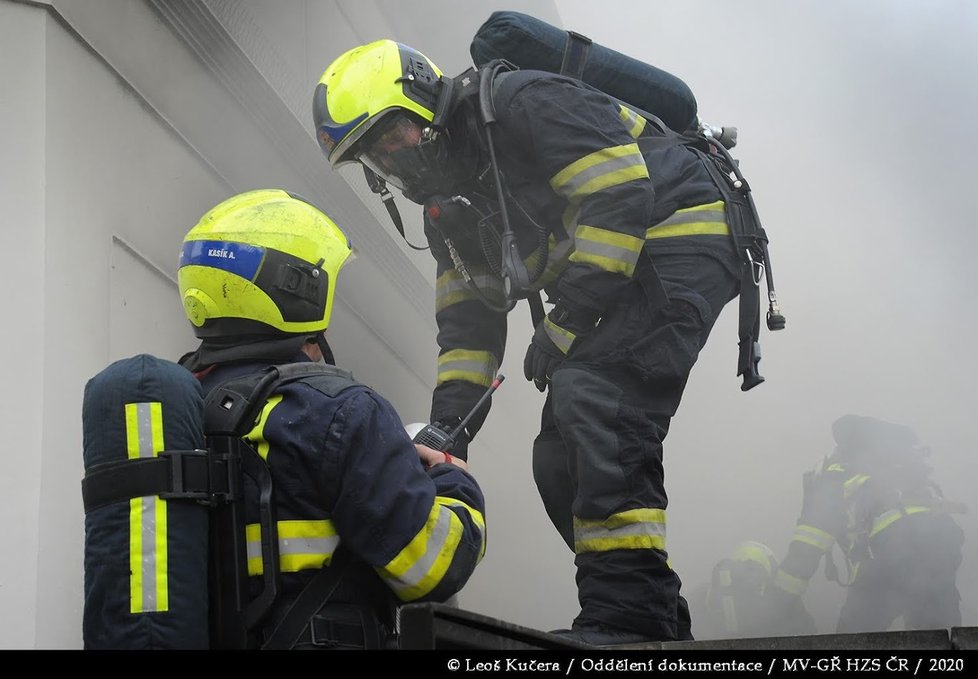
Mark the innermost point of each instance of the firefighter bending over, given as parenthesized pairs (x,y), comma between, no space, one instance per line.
(568,191)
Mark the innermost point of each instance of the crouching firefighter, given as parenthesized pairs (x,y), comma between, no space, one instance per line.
(535,181)
(325,515)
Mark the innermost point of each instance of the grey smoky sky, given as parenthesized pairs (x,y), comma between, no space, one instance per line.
(856,122)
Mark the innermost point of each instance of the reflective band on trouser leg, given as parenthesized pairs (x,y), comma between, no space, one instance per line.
(148,586)
(632,529)
(302,545)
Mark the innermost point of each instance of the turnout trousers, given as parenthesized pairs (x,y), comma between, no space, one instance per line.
(597,461)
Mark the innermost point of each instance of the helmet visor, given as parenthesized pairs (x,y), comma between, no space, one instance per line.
(398,150)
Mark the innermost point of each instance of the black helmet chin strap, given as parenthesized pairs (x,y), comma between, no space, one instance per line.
(324,347)
(442,109)
(379,186)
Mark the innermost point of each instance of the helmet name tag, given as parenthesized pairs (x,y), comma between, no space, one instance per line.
(237,258)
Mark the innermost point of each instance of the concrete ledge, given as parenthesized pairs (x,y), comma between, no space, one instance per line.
(964,638)
(440,626)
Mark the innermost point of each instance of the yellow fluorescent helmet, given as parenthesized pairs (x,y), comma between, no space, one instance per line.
(758,553)
(261,263)
(363,85)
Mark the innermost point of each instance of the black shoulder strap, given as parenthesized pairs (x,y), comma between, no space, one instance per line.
(234,404)
(229,410)
(576,50)
(312,598)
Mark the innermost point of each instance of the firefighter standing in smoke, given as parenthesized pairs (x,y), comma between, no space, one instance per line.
(597,209)
(874,497)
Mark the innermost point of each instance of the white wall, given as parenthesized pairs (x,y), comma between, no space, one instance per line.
(131,120)
(22,340)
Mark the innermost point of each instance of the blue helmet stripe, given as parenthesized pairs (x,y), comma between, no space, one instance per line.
(237,258)
(338,132)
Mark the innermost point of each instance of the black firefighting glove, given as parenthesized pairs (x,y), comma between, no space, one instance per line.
(553,340)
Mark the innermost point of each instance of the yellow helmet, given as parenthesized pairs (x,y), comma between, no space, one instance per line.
(366,84)
(262,263)
(756,552)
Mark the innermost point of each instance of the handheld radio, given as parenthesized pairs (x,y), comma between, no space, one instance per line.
(439,439)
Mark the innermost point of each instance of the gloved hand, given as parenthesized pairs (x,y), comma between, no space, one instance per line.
(552,341)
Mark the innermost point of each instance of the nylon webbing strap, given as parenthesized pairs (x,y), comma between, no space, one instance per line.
(744,229)
(576,50)
(173,474)
(537,313)
(315,594)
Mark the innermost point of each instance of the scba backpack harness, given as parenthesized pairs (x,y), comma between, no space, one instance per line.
(166,559)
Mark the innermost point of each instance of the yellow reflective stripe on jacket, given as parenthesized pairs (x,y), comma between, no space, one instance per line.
(789,583)
(608,250)
(632,529)
(420,566)
(816,537)
(562,339)
(256,437)
(600,170)
(633,121)
(887,518)
(700,220)
(148,580)
(477,518)
(478,367)
(302,545)
(853,484)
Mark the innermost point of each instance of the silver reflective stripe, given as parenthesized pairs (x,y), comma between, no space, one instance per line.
(292,546)
(147,515)
(623,258)
(144,429)
(633,121)
(584,533)
(434,545)
(692,217)
(149,553)
(478,367)
(575,185)
(561,338)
